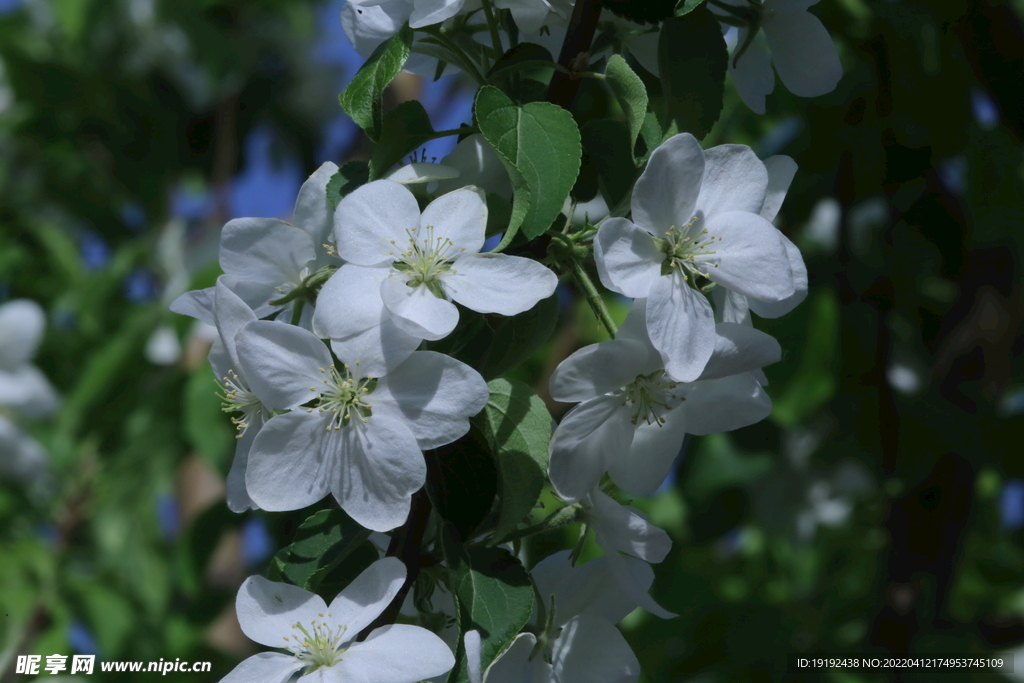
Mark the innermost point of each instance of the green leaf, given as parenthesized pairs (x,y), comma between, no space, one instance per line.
(206,426)
(494,596)
(324,541)
(516,338)
(461,482)
(684,7)
(539,144)
(349,177)
(693,59)
(631,93)
(404,129)
(499,213)
(522,57)
(362,98)
(517,425)
(607,143)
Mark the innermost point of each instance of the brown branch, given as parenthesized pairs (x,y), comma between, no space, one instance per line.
(575,52)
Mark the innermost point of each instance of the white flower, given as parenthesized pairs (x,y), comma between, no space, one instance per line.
(22,459)
(532,15)
(266,258)
(410,265)
(231,314)
(632,417)
(622,528)
(419,13)
(477,164)
(581,641)
(696,221)
(349,433)
(321,637)
(421,172)
(23,388)
(734,307)
(800,48)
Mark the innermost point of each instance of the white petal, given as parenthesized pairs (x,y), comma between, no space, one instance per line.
(640,470)
(376,351)
(628,261)
(585,442)
(751,256)
(753,75)
(769,309)
(349,302)
(197,304)
(231,314)
(588,588)
(421,172)
(398,653)
(267,609)
(633,584)
(27,390)
(264,250)
(781,171)
(471,642)
(627,529)
(734,180)
(590,650)
(497,283)
(282,363)
(598,369)
(368,595)
(666,193)
(237,495)
(721,405)
(381,467)
(513,665)
(732,307)
(682,327)
(417,311)
(288,467)
(803,52)
(22,322)
(430,12)
(372,225)
(266,667)
(740,348)
(477,164)
(459,216)
(437,395)
(313,212)
(367,26)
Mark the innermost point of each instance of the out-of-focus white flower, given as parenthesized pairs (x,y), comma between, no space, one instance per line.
(321,638)
(23,388)
(163,346)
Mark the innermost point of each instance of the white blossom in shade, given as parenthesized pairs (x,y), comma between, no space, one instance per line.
(477,164)
(623,528)
(230,315)
(632,417)
(421,13)
(321,638)
(22,458)
(734,307)
(695,222)
(23,388)
(266,258)
(418,173)
(581,641)
(414,266)
(533,15)
(349,433)
(795,42)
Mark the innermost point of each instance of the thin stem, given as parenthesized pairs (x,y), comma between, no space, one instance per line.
(579,274)
(570,514)
(467,62)
(468,130)
(492,25)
